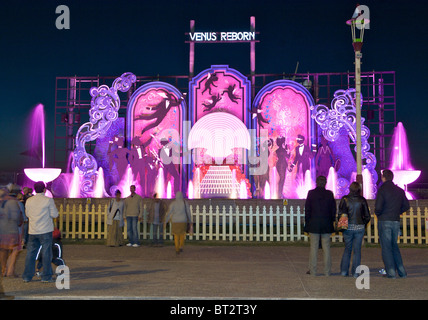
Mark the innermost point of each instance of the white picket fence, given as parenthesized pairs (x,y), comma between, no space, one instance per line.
(242,224)
(246,223)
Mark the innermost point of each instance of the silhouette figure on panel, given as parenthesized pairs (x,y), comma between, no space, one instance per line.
(210,104)
(118,156)
(324,159)
(303,156)
(161,110)
(231,93)
(139,161)
(210,82)
(165,152)
(256,112)
(283,154)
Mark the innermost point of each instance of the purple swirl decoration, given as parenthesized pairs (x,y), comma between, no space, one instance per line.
(342,114)
(105,105)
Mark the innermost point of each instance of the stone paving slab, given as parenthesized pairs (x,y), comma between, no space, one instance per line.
(218,272)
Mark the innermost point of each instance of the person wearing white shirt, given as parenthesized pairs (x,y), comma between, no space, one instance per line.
(40,211)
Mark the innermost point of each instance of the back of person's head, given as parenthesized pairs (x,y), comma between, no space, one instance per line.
(39,187)
(321,181)
(179,195)
(354,188)
(14,189)
(3,193)
(388,175)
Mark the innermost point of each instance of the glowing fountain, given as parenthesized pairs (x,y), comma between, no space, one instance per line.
(190,191)
(169,190)
(196,184)
(243,190)
(332,181)
(273,182)
(74,190)
(404,173)
(126,182)
(233,195)
(267,191)
(367,184)
(99,191)
(304,185)
(160,184)
(38,133)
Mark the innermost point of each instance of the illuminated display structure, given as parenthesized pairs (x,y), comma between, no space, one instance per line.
(378,89)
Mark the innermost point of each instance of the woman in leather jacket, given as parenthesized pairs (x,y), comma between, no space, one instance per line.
(355,206)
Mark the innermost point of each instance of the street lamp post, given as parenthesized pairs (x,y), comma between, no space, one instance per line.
(357,22)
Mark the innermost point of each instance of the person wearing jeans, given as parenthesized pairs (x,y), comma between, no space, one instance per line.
(133,213)
(40,211)
(390,203)
(357,209)
(391,256)
(156,217)
(33,246)
(320,213)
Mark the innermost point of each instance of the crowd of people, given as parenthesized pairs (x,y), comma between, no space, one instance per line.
(28,220)
(321,215)
(158,214)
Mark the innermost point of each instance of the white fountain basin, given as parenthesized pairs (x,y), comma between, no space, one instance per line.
(404,177)
(42,174)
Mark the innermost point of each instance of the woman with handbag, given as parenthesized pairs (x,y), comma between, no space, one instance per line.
(179,215)
(115,221)
(355,207)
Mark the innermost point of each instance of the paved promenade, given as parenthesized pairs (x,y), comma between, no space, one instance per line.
(218,272)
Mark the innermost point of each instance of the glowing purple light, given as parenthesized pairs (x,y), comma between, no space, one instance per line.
(99,185)
(267,191)
(190,191)
(37,134)
(37,130)
(400,154)
(404,173)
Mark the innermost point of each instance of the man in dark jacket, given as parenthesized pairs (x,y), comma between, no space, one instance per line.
(391,202)
(320,213)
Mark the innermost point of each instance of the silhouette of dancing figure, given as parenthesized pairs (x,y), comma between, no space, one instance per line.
(166,153)
(260,119)
(324,159)
(210,104)
(210,82)
(230,92)
(119,156)
(283,154)
(139,161)
(161,110)
(302,157)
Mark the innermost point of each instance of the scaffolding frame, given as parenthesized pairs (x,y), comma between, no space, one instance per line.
(73,101)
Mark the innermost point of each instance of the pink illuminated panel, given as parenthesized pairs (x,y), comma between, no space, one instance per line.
(219,89)
(286,109)
(155,112)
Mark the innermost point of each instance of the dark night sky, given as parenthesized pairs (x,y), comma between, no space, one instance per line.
(147,38)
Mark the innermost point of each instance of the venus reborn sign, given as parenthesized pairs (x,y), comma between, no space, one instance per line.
(222,36)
